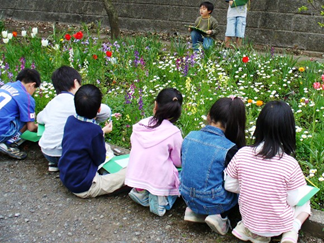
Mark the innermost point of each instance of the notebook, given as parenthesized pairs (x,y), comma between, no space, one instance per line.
(33,136)
(195,28)
(116,163)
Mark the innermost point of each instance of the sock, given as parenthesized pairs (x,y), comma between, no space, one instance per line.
(296,225)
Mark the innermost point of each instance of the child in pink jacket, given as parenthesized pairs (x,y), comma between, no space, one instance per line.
(155,154)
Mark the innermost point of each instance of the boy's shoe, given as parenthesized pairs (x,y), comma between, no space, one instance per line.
(157,204)
(52,167)
(140,197)
(193,217)
(12,152)
(243,233)
(289,237)
(218,224)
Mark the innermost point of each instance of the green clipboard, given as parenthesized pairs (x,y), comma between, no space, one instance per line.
(308,192)
(195,28)
(33,136)
(116,163)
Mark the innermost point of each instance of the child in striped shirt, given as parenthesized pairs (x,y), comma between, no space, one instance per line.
(268,178)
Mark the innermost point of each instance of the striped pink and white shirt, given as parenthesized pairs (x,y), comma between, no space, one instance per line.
(263,190)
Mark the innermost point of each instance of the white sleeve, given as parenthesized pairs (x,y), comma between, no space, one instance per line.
(231,184)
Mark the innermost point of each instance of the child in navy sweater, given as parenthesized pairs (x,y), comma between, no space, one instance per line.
(83,149)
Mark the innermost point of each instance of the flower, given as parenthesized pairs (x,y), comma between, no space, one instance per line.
(67,37)
(245,59)
(56,47)
(32,35)
(301,69)
(108,53)
(10,35)
(250,101)
(317,85)
(323,77)
(44,42)
(259,103)
(5,40)
(14,33)
(23,33)
(4,33)
(94,56)
(78,35)
(35,30)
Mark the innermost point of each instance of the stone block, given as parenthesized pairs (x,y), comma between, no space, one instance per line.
(275,21)
(306,23)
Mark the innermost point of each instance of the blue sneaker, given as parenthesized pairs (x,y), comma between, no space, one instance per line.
(140,197)
(157,204)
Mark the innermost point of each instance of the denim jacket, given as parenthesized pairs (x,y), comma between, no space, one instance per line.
(203,162)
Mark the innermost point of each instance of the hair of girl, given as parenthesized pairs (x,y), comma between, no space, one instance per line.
(275,127)
(168,102)
(230,112)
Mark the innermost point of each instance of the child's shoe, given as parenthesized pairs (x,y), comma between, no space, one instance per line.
(12,152)
(193,217)
(289,237)
(52,167)
(243,233)
(218,224)
(157,204)
(140,197)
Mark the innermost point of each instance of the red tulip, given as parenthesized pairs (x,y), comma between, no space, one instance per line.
(245,59)
(94,56)
(14,34)
(78,35)
(108,53)
(67,37)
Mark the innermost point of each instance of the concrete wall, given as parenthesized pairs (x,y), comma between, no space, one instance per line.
(270,22)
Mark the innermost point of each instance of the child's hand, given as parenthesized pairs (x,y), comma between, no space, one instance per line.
(189,29)
(209,32)
(108,127)
(230,3)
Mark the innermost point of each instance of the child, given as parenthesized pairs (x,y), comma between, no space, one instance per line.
(66,81)
(264,174)
(236,22)
(205,154)
(17,111)
(207,23)
(83,149)
(155,154)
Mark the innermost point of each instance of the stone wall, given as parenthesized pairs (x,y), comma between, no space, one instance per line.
(270,22)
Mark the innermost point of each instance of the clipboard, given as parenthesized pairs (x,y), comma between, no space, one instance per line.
(33,136)
(116,163)
(195,28)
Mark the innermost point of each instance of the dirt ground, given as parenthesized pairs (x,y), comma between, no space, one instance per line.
(36,207)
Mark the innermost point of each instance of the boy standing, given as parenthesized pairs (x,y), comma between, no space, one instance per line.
(206,23)
(84,149)
(66,81)
(236,22)
(17,111)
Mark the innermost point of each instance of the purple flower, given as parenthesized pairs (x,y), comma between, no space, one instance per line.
(22,61)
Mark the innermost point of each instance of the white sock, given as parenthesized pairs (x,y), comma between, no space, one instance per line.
(297,225)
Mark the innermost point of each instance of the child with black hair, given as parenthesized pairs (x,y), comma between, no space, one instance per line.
(83,149)
(268,179)
(66,81)
(155,154)
(205,155)
(207,23)
(17,111)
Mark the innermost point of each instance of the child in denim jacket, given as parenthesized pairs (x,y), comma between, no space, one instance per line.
(205,155)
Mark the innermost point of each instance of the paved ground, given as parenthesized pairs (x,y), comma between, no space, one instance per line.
(35,207)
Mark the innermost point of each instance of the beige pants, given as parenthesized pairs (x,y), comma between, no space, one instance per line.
(104,184)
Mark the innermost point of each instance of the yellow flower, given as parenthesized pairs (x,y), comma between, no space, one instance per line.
(301,69)
(61,40)
(250,100)
(259,103)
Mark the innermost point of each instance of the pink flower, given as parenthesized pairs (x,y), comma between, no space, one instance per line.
(316,85)
(322,86)
(323,77)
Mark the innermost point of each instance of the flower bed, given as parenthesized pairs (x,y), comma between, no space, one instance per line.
(131,71)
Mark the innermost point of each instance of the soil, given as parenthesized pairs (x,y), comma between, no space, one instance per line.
(36,207)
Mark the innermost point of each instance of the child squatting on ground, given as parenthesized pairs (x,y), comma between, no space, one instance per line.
(207,23)
(17,111)
(155,154)
(268,179)
(205,155)
(83,149)
(66,81)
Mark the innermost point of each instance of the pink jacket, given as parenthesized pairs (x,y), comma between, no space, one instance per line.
(154,156)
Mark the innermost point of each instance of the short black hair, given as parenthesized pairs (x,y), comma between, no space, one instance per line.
(275,127)
(208,5)
(28,75)
(87,101)
(63,78)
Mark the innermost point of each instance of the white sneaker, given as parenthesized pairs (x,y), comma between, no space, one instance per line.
(289,237)
(218,224)
(140,197)
(194,217)
(243,233)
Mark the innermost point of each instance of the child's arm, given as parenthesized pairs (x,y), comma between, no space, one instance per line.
(32,126)
(176,151)
(231,184)
(107,128)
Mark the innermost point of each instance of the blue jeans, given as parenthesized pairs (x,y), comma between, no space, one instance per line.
(52,160)
(197,37)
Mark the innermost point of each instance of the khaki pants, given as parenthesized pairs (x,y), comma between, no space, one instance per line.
(104,184)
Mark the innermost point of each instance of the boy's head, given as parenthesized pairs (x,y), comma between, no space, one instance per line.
(87,101)
(28,75)
(64,79)
(208,5)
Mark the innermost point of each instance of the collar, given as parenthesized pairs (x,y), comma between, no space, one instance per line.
(214,130)
(84,119)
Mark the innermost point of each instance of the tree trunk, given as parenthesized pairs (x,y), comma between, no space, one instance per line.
(113,19)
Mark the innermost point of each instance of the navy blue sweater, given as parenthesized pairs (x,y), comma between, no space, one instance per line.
(83,150)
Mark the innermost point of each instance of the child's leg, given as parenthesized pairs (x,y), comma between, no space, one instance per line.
(196,38)
(52,163)
(208,42)
(140,196)
(191,216)
(230,30)
(240,30)
(159,204)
